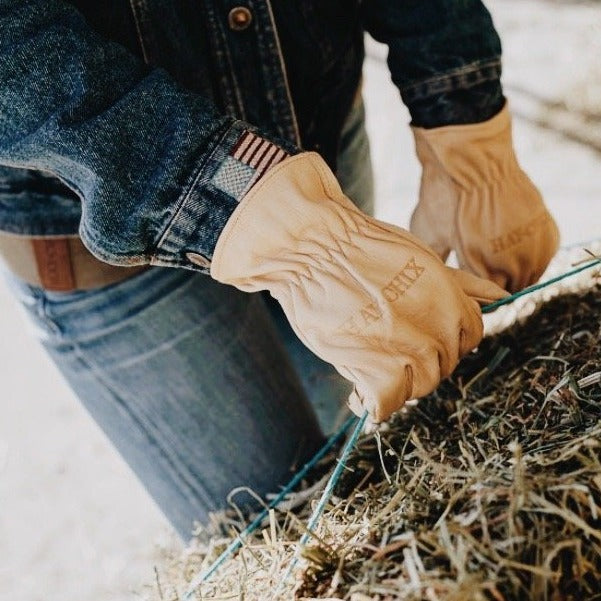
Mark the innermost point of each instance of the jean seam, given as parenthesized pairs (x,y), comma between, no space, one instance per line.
(137,6)
(234,80)
(297,137)
(228,80)
(42,312)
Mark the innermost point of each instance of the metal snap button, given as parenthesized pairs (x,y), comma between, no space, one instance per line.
(198,259)
(239,18)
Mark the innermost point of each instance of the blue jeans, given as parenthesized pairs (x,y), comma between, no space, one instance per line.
(200,387)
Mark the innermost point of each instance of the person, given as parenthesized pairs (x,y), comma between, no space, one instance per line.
(163,159)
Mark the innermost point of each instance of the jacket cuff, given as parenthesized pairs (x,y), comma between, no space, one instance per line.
(470,94)
(236,164)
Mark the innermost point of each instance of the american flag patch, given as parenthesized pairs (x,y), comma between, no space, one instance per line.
(258,153)
(248,161)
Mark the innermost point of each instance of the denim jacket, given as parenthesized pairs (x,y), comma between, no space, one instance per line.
(120,119)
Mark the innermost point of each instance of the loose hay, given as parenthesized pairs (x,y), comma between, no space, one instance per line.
(488,489)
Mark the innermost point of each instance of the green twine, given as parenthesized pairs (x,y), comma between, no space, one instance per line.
(239,540)
(535,287)
(325,497)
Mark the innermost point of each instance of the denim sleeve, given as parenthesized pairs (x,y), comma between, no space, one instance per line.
(444,56)
(154,165)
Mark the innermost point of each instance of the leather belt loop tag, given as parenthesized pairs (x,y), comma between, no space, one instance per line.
(53,259)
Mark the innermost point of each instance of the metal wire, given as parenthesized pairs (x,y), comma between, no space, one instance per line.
(239,540)
(531,289)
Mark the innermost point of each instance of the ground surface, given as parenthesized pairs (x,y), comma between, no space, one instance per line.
(73,521)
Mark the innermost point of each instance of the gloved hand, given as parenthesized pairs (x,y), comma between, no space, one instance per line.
(476,200)
(363,295)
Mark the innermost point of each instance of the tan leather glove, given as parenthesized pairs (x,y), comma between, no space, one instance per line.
(476,200)
(365,296)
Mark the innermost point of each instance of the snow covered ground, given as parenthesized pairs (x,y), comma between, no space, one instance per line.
(74,523)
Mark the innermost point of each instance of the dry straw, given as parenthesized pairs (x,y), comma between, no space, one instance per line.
(487,490)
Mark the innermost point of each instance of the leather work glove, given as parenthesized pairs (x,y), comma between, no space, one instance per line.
(476,200)
(363,295)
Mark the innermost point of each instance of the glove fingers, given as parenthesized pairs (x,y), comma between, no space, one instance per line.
(381,405)
(481,290)
(387,406)
(417,375)
(543,247)
(356,404)
(472,328)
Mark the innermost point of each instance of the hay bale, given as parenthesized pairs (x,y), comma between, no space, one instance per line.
(487,490)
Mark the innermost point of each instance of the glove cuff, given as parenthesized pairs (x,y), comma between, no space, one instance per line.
(290,201)
(470,153)
(481,130)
